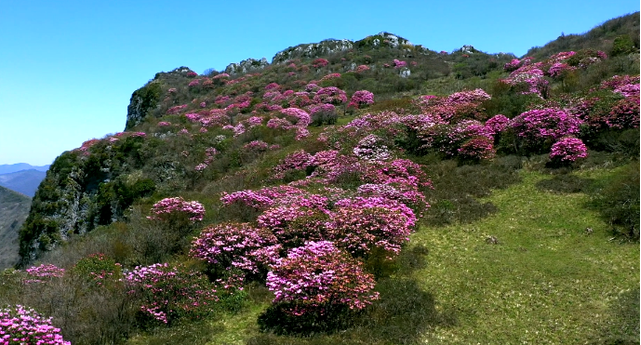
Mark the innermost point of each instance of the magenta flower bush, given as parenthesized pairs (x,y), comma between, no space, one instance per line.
(43,272)
(240,246)
(319,274)
(330,94)
(568,149)
(497,123)
(168,207)
(361,227)
(540,127)
(361,98)
(168,293)
(23,325)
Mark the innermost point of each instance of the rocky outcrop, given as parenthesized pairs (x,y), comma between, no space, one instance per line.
(246,66)
(146,99)
(312,50)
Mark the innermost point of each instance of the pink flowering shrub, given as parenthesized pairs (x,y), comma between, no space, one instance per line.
(330,94)
(365,224)
(568,149)
(449,139)
(399,63)
(167,293)
(497,123)
(176,109)
(169,207)
(361,98)
(323,113)
(537,129)
(318,275)
(478,148)
(294,224)
(624,114)
(43,272)
(296,161)
(239,246)
(330,77)
(320,62)
(297,116)
(22,325)
(362,68)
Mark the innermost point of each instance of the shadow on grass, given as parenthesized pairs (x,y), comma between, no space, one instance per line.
(565,184)
(623,326)
(457,189)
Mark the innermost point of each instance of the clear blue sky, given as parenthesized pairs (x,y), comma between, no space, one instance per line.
(68,68)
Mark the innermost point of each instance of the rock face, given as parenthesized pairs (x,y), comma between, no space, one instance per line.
(246,66)
(312,50)
(146,99)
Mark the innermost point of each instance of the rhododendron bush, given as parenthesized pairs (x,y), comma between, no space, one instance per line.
(319,274)
(177,206)
(169,292)
(23,325)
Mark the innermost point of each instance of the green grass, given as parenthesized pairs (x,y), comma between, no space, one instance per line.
(546,281)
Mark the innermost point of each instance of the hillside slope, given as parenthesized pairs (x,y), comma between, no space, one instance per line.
(23,181)
(14,208)
(298,201)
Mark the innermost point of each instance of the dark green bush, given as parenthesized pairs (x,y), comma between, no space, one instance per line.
(617,199)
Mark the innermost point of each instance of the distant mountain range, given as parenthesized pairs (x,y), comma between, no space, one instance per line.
(22,177)
(14,208)
(9,168)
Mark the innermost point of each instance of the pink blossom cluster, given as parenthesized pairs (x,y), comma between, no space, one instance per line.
(298,160)
(320,62)
(362,68)
(497,123)
(177,205)
(319,274)
(538,125)
(624,113)
(241,246)
(529,79)
(297,116)
(361,98)
(362,224)
(568,149)
(256,146)
(164,124)
(194,82)
(331,76)
(459,105)
(516,64)
(449,138)
(43,272)
(330,94)
(221,75)
(168,293)
(272,86)
(176,109)
(23,325)
(399,63)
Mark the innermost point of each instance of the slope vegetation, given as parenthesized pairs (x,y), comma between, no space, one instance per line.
(368,192)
